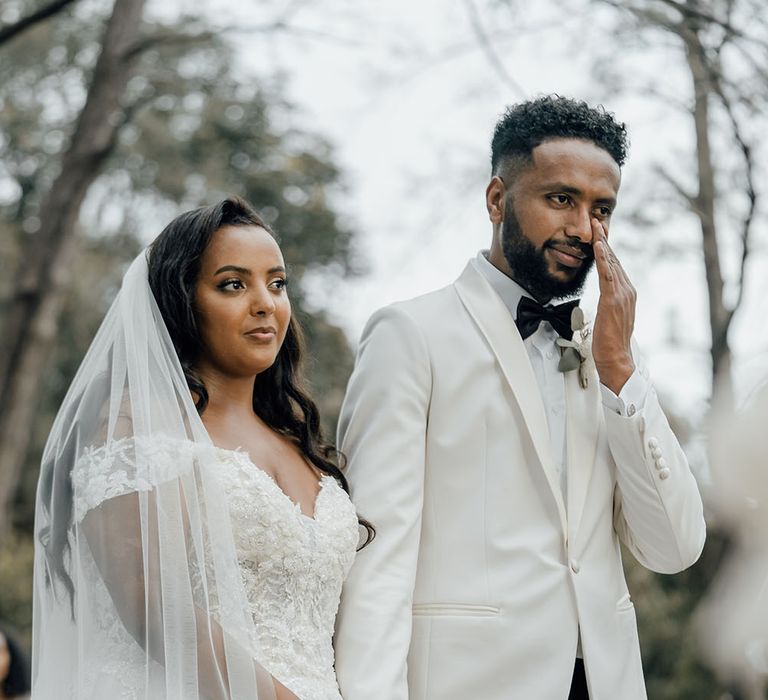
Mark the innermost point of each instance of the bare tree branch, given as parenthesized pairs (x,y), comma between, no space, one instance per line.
(490,51)
(286,28)
(646,15)
(751,192)
(165,38)
(455,50)
(695,12)
(757,65)
(657,93)
(690,199)
(687,13)
(10,31)
(280,25)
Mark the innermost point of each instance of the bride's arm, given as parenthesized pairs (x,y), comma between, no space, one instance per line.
(123,536)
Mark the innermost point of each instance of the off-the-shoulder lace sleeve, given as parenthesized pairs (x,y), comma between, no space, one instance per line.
(127,465)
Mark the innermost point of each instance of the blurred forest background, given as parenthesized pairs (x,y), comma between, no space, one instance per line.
(111,124)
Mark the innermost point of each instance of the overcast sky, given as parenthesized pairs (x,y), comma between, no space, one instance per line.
(408,96)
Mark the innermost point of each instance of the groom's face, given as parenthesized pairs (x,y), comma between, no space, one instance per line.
(545,234)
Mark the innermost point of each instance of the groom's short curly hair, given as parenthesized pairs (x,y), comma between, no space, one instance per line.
(525,125)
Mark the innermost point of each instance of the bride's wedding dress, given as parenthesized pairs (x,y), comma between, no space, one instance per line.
(292,566)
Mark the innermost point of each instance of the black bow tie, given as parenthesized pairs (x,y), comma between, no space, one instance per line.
(530,314)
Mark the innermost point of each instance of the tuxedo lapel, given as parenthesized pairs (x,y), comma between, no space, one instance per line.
(583,425)
(493,319)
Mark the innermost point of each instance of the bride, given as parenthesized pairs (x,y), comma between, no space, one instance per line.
(192,527)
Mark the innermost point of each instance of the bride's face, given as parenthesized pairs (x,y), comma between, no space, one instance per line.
(241,302)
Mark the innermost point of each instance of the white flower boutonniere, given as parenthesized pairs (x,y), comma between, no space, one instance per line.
(577,352)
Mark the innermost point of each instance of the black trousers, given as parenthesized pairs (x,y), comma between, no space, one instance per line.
(579,683)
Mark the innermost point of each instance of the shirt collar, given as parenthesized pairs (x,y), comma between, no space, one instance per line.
(509,290)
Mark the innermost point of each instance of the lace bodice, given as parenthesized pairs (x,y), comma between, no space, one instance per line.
(292,565)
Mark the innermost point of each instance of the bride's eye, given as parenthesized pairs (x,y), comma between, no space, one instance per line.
(231,285)
(279,283)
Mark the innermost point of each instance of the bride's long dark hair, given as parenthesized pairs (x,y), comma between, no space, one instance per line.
(280,397)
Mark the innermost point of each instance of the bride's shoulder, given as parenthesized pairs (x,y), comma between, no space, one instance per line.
(129,449)
(114,467)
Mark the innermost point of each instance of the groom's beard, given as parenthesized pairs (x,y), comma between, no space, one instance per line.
(530,268)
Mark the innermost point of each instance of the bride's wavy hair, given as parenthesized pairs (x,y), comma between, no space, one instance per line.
(280,397)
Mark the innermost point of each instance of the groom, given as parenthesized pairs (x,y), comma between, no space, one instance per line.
(502,470)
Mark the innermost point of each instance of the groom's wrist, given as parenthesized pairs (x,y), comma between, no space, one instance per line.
(614,375)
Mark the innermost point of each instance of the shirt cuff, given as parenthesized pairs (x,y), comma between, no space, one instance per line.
(631,398)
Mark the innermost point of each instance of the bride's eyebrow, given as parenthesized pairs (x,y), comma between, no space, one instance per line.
(233,268)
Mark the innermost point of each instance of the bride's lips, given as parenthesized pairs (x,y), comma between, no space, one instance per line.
(263,334)
(566,255)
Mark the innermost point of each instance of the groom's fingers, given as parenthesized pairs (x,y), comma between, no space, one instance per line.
(605,269)
(617,281)
(617,269)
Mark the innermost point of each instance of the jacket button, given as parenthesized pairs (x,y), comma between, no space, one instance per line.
(661,463)
(656,452)
(653,443)
(575,566)
(664,473)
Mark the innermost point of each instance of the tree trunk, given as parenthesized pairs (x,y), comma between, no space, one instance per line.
(31,322)
(719,316)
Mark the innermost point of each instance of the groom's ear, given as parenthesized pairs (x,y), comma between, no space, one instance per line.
(494,200)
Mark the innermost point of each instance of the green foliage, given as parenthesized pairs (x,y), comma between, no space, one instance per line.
(16,556)
(193,133)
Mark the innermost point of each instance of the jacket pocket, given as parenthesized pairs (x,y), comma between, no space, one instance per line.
(456,610)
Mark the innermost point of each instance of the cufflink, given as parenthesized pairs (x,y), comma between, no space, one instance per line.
(631,410)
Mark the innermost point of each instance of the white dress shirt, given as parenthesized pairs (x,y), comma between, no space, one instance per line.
(545,356)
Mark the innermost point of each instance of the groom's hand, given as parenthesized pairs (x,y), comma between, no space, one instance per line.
(615,316)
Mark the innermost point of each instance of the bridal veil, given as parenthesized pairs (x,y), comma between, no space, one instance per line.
(137,589)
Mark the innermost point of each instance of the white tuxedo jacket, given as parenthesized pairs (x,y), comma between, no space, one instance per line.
(480,575)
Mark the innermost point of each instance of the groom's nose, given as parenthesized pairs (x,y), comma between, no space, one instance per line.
(579,225)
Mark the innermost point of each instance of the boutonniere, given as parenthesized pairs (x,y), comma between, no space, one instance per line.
(577,352)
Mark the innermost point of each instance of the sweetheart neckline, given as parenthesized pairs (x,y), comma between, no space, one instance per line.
(240,452)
